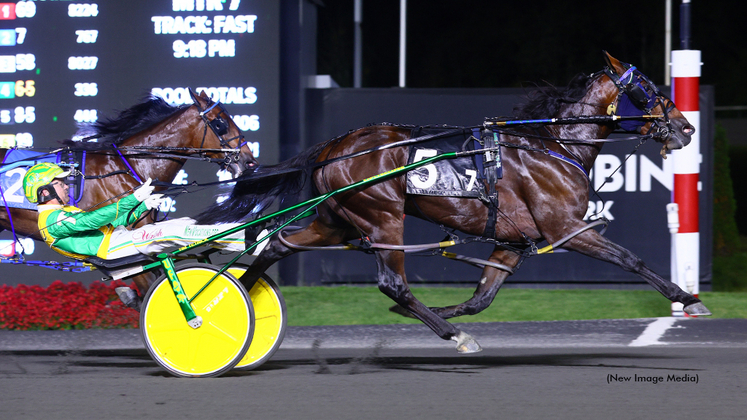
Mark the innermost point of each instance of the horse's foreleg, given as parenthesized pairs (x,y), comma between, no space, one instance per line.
(490,283)
(143,282)
(593,244)
(392,283)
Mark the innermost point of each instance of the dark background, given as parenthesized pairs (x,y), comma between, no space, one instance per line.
(484,43)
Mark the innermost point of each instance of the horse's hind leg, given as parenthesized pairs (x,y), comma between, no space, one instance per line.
(392,283)
(490,283)
(316,234)
(391,279)
(593,244)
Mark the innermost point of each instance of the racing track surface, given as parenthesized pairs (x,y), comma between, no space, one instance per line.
(615,369)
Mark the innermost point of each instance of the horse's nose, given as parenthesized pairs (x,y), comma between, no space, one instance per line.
(250,166)
(688,130)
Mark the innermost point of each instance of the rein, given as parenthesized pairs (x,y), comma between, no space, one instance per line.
(584,119)
(457,130)
(159,153)
(595,119)
(127,164)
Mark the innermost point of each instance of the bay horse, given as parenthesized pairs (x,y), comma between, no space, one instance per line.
(543,194)
(149,140)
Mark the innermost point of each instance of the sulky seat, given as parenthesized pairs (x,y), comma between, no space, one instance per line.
(120,268)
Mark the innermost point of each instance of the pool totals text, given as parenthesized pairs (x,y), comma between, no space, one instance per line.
(64,64)
(67,63)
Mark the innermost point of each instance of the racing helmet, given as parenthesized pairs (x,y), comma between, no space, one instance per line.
(38,176)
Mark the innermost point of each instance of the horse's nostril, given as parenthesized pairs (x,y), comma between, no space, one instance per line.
(688,130)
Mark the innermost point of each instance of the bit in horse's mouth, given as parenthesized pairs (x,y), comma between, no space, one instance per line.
(663,151)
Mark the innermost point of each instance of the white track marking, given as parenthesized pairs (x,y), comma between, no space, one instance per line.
(653,332)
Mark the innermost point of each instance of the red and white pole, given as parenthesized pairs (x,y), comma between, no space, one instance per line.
(686,247)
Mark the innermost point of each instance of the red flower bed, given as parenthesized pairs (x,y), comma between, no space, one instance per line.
(64,306)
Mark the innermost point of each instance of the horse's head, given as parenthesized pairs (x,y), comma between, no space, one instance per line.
(637,96)
(221,132)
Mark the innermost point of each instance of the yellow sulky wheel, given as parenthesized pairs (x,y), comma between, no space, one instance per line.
(222,339)
(271,320)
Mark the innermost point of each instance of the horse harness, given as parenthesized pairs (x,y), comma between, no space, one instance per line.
(219,126)
(634,96)
(75,158)
(492,168)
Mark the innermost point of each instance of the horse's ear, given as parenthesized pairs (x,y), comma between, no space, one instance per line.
(201,100)
(194,96)
(613,63)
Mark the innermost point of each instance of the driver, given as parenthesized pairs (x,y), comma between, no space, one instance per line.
(102,232)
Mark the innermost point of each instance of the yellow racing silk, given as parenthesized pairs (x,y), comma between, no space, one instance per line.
(77,234)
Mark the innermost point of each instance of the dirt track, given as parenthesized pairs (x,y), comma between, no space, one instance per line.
(700,373)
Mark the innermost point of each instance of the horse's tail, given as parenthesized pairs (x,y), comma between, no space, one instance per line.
(257,191)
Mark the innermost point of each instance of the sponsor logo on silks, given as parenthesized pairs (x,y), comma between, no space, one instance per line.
(146,235)
(213,303)
(200,231)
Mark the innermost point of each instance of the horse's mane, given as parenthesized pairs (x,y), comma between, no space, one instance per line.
(256,191)
(545,102)
(108,131)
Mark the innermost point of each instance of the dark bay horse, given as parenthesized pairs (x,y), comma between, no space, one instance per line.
(541,196)
(154,139)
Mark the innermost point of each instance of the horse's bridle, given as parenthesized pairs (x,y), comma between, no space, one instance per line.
(634,88)
(219,126)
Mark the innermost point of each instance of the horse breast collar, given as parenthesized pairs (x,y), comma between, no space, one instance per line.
(565,159)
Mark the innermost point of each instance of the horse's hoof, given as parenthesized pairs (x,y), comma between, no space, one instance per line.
(466,344)
(697,309)
(129,297)
(401,311)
